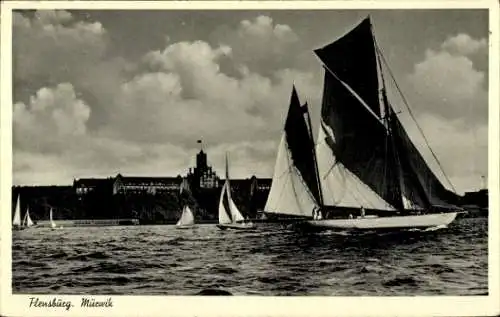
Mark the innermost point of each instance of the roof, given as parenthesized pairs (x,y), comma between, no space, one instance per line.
(145,179)
(91,182)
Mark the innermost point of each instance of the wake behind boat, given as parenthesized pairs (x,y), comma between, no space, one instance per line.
(229,215)
(363,158)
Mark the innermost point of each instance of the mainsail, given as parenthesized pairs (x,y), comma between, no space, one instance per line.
(52,223)
(16,221)
(187,217)
(294,189)
(228,211)
(363,134)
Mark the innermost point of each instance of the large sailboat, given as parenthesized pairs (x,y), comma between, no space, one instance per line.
(230,216)
(187,218)
(364,172)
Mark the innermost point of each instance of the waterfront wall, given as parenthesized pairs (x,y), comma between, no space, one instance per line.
(149,208)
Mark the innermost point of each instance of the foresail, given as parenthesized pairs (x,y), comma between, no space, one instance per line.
(29,222)
(17,213)
(235,212)
(224,206)
(423,187)
(288,193)
(340,186)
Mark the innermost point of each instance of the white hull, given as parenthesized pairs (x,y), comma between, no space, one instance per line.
(237,226)
(396,222)
(185,226)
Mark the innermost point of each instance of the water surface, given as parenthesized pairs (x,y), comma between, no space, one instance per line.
(163,260)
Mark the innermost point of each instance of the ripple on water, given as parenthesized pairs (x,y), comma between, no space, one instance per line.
(161,260)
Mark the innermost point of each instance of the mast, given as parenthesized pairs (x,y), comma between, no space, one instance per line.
(387,111)
(402,156)
(318,183)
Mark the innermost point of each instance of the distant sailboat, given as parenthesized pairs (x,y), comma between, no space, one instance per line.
(187,218)
(16,221)
(229,215)
(27,222)
(53,224)
(363,159)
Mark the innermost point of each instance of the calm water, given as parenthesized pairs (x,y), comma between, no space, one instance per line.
(269,261)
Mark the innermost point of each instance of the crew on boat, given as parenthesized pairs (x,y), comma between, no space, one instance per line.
(362,211)
(317,213)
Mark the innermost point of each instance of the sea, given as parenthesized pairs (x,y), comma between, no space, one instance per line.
(272,260)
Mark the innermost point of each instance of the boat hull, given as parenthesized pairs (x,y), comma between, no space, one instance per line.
(385,223)
(184,227)
(235,226)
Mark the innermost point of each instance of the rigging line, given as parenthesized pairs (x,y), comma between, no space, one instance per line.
(291,178)
(363,103)
(413,117)
(313,145)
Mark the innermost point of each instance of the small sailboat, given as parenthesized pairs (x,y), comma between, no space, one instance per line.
(187,218)
(27,222)
(53,224)
(16,221)
(229,215)
(363,157)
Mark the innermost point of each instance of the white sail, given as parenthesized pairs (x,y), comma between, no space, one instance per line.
(235,212)
(224,217)
(289,193)
(16,221)
(29,222)
(340,186)
(52,223)
(187,217)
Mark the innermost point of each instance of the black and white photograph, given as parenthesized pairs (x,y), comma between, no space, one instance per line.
(246,151)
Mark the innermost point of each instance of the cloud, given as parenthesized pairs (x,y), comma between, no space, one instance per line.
(52,143)
(52,118)
(448,84)
(51,46)
(261,44)
(464,44)
(462,151)
(188,97)
(149,121)
(450,101)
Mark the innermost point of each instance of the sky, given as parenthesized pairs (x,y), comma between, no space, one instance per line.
(97,93)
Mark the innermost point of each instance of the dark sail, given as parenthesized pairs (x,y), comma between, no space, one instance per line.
(423,186)
(361,141)
(301,144)
(352,59)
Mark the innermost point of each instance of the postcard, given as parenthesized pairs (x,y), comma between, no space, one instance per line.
(244,158)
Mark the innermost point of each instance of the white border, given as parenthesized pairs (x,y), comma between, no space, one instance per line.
(15,305)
